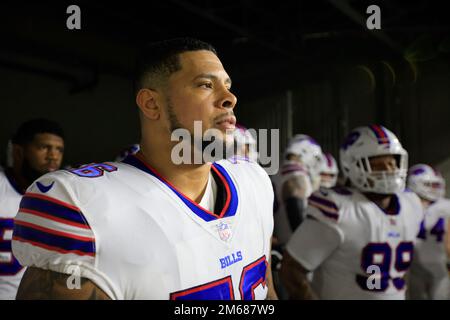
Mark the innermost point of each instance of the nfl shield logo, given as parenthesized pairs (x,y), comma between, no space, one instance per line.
(224,231)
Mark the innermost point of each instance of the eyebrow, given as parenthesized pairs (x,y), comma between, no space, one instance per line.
(212,77)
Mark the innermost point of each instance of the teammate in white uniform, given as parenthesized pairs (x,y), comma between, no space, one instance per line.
(245,144)
(329,172)
(10,269)
(298,177)
(37,148)
(358,241)
(147,228)
(429,278)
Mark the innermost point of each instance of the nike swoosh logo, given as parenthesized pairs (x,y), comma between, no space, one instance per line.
(44,188)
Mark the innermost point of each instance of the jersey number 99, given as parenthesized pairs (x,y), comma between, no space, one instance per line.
(380,254)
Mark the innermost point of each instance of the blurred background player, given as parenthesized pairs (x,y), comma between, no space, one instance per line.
(352,234)
(245,144)
(131,149)
(35,149)
(329,172)
(428,278)
(298,177)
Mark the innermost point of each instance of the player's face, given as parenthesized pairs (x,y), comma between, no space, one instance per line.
(383,163)
(45,153)
(293,157)
(200,91)
(327,177)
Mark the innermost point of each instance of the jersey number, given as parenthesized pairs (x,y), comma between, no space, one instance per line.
(93,170)
(252,276)
(380,255)
(9,265)
(438,230)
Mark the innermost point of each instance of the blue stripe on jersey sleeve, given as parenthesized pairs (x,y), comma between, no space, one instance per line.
(53,242)
(324,202)
(52,208)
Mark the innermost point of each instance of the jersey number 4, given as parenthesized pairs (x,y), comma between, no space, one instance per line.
(252,276)
(438,230)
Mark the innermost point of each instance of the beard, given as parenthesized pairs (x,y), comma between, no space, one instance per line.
(174,124)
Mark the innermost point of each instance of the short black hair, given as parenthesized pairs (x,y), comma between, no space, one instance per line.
(27,130)
(158,60)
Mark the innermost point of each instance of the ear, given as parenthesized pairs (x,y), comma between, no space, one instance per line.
(147,101)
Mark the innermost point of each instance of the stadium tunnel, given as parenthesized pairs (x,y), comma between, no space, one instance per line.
(301,66)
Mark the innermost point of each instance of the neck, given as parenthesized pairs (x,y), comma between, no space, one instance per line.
(381,200)
(21,182)
(190,179)
(425,203)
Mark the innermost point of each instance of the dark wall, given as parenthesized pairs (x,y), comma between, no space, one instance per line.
(102,120)
(411,101)
(98,123)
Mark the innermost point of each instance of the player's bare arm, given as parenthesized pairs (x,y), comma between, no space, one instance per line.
(294,187)
(293,276)
(294,192)
(39,284)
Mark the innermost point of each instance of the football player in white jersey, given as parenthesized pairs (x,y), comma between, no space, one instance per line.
(245,144)
(298,177)
(36,148)
(428,278)
(358,241)
(329,172)
(146,227)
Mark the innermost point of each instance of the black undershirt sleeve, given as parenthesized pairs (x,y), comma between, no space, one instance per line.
(294,209)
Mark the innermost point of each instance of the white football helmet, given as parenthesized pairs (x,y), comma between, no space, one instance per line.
(310,154)
(243,135)
(329,172)
(426,182)
(131,149)
(245,143)
(371,141)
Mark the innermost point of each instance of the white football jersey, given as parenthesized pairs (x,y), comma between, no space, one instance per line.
(137,237)
(289,170)
(10,270)
(356,249)
(429,276)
